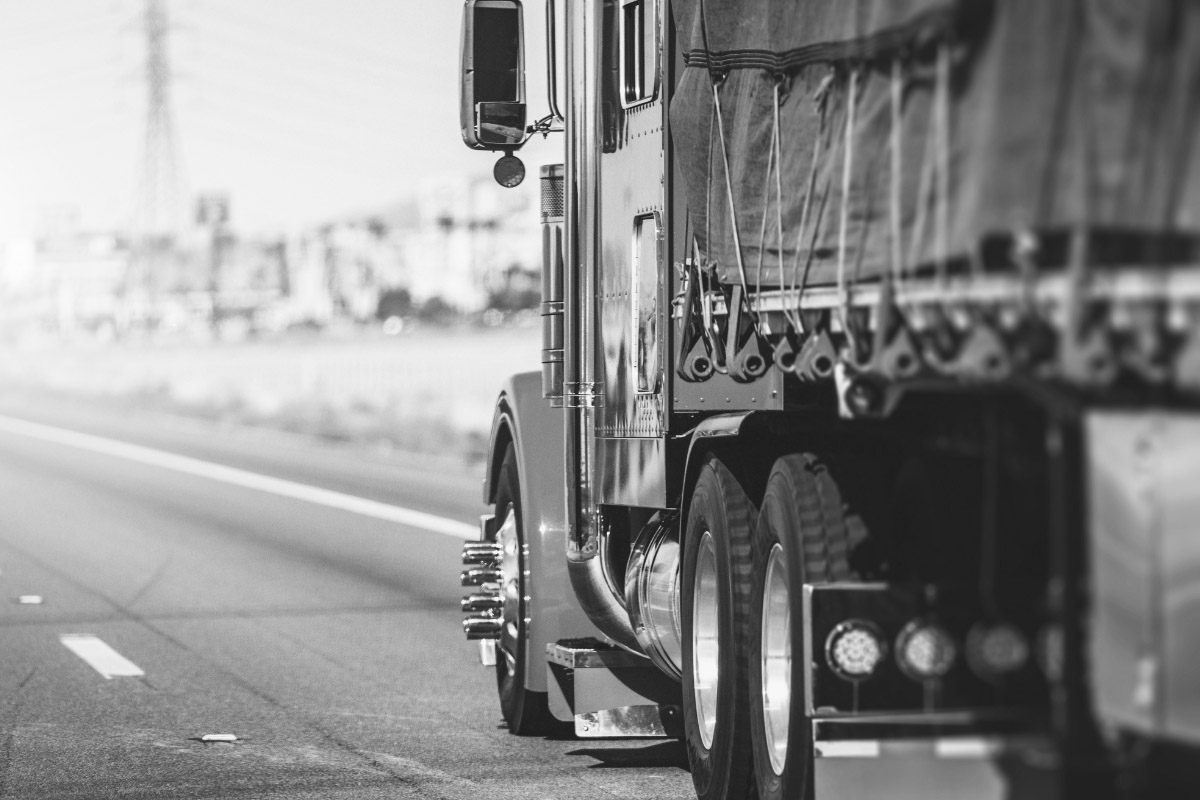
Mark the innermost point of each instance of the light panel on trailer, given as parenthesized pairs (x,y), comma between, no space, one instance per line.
(925,651)
(994,651)
(1051,652)
(854,649)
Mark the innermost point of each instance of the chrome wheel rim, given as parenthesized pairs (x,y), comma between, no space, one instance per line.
(510,590)
(706,646)
(776,658)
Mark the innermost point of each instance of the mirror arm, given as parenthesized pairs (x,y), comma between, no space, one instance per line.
(551,73)
(547,125)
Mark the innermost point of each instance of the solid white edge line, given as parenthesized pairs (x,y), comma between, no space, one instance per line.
(100,656)
(240,477)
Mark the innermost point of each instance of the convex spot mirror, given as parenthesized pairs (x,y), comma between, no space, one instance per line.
(492,100)
(509,171)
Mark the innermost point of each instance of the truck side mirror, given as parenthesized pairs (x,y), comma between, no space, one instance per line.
(492,100)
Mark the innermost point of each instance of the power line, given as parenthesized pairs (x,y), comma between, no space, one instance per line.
(51,32)
(239,63)
(273,47)
(265,28)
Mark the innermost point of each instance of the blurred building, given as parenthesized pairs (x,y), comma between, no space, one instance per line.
(62,283)
(473,235)
(460,242)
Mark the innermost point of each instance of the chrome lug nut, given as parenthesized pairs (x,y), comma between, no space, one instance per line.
(482,627)
(481,602)
(480,553)
(477,576)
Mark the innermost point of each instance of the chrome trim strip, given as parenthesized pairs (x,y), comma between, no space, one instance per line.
(1178,284)
(552,61)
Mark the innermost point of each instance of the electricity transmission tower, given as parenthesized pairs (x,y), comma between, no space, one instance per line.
(158,206)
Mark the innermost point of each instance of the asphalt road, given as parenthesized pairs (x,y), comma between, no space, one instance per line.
(327,640)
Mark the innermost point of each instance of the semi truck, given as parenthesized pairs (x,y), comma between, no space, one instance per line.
(864,456)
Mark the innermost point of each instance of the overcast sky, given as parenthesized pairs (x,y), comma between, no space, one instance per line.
(303,110)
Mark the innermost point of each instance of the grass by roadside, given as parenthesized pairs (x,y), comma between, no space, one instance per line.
(386,427)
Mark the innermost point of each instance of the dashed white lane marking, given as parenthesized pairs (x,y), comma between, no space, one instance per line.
(240,477)
(100,656)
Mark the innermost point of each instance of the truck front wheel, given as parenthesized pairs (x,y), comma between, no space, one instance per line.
(715,605)
(525,711)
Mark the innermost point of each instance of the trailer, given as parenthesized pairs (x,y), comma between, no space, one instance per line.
(864,456)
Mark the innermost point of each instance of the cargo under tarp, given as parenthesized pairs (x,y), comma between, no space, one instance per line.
(999,118)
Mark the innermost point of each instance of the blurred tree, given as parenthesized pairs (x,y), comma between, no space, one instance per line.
(394,303)
(436,310)
(519,289)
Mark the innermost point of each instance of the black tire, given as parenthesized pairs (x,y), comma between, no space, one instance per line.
(804,515)
(721,769)
(526,712)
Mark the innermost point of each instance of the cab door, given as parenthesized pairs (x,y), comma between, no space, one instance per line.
(632,319)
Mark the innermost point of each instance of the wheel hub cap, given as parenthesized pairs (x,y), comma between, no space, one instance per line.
(706,648)
(510,589)
(776,658)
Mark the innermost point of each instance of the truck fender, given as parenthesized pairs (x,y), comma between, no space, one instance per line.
(708,435)
(523,418)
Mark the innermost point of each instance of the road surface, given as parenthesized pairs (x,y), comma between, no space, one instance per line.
(161,581)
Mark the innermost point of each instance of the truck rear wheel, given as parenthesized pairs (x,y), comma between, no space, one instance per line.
(715,605)
(526,712)
(804,535)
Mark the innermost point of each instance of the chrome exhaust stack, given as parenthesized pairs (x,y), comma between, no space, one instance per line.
(603,603)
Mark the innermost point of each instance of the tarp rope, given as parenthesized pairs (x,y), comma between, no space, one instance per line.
(941,102)
(844,215)
(897,146)
(778,176)
(762,231)
(821,97)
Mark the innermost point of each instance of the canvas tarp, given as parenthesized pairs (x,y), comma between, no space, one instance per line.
(1056,114)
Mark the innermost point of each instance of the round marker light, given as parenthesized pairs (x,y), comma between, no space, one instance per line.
(855,649)
(925,651)
(994,651)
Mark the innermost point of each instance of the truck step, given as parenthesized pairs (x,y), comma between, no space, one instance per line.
(611,692)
